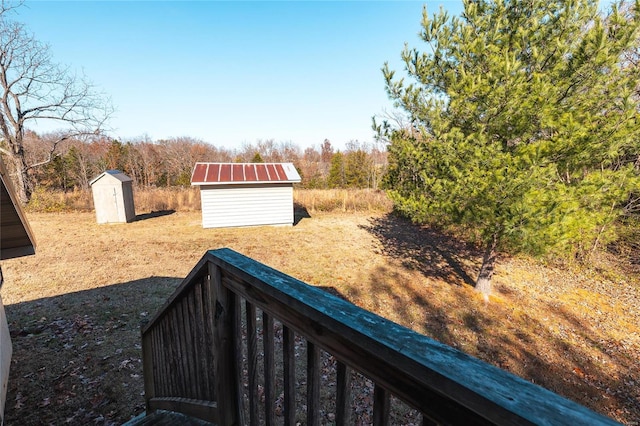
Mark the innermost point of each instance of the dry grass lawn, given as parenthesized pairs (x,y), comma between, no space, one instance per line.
(75,308)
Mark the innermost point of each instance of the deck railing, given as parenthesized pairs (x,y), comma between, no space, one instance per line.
(228,347)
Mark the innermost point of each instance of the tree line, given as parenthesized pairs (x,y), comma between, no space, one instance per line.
(169,162)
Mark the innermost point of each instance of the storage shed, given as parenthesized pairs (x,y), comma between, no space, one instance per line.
(113,197)
(245,194)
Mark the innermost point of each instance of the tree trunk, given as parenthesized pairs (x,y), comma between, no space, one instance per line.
(22,179)
(483,284)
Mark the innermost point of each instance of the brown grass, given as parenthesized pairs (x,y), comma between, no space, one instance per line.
(343,200)
(188,199)
(74,309)
(148,199)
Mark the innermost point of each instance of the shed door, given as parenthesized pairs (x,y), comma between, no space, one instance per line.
(107,205)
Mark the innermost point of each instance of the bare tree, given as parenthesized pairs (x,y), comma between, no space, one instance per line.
(33,88)
(180,155)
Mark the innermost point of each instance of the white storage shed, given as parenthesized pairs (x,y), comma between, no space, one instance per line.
(113,197)
(245,194)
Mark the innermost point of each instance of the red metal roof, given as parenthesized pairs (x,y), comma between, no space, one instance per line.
(238,173)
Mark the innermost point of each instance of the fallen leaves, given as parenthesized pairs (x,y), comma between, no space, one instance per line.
(84,372)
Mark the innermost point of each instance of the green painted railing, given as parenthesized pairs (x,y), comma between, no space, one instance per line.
(241,343)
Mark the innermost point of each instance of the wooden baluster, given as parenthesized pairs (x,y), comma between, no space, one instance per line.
(201,344)
(225,350)
(178,331)
(269,369)
(184,349)
(289,358)
(380,406)
(343,394)
(168,367)
(190,357)
(175,366)
(239,356)
(313,384)
(208,313)
(252,363)
(426,421)
(160,378)
(164,361)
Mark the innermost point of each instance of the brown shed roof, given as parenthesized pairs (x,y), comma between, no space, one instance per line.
(243,173)
(16,238)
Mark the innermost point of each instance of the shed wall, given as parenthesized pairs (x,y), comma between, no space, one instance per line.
(246,205)
(129,210)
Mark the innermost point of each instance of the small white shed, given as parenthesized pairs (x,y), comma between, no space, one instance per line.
(113,197)
(245,194)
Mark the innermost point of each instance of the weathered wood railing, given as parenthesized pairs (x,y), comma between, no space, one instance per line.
(203,352)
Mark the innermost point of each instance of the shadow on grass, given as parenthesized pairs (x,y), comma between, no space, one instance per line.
(153,214)
(527,344)
(334,291)
(419,248)
(77,357)
(586,364)
(299,212)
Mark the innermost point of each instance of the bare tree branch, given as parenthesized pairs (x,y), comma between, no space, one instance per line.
(34,88)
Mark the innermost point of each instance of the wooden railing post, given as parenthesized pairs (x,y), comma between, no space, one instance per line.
(148,368)
(269,369)
(252,364)
(289,371)
(380,406)
(226,372)
(313,384)
(343,394)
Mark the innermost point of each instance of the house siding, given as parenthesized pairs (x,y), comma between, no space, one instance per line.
(16,238)
(246,205)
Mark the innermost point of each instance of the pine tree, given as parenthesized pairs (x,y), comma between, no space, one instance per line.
(336,177)
(115,158)
(522,116)
(357,165)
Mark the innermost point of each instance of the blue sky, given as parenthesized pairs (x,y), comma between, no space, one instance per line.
(231,73)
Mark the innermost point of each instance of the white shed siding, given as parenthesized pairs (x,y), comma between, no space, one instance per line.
(246,205)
